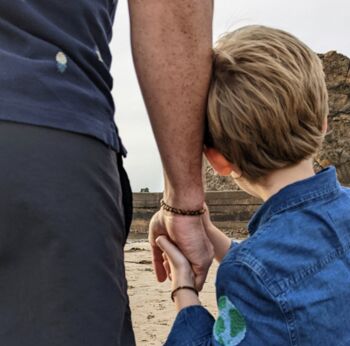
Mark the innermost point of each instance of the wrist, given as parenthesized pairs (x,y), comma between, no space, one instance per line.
(185,298)
(191,198)
(185,281)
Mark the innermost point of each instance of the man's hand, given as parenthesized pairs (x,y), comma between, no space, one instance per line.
(188,233)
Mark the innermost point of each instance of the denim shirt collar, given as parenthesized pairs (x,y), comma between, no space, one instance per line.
(322,183)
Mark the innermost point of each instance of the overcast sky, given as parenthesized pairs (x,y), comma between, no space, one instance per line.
(322,24)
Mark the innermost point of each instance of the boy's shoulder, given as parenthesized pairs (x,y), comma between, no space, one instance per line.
(296,242)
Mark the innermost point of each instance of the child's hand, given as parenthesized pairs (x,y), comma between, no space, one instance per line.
(176,264)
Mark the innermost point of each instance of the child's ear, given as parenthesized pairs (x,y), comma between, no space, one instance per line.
(218,161)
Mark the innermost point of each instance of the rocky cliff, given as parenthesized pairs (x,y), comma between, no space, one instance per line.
(336,147)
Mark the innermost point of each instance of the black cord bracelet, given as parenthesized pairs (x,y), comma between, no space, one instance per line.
(182,288)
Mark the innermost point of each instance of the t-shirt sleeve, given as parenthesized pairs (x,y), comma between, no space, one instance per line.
(247,313)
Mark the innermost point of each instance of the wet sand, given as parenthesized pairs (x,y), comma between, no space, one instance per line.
(153,312)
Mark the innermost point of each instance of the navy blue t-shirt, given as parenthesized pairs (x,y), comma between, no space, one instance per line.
(55,65)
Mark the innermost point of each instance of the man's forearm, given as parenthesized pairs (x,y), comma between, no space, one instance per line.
(171,42)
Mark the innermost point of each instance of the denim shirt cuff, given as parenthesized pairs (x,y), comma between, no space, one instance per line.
(192,325)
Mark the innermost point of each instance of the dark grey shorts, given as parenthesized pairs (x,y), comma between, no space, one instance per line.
(65,212)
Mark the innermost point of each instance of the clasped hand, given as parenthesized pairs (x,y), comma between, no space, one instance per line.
(181,249)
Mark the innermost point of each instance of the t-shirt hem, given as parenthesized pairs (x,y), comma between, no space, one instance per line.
(106,132)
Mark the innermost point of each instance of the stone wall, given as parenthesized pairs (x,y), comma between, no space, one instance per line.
(336,147)
(230,211)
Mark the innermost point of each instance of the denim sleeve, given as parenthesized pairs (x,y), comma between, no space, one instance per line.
(248,315)
(193,326)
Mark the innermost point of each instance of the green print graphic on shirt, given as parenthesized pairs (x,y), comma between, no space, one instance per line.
(230,327)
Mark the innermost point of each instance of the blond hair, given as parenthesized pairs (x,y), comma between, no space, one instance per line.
(267,101)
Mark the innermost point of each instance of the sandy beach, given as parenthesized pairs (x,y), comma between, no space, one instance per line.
(153,311)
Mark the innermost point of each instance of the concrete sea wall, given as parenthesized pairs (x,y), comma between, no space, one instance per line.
(230,211)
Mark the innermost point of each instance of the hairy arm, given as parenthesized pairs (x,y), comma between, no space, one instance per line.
(171,42)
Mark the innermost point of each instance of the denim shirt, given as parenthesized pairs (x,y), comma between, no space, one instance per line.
(289,282)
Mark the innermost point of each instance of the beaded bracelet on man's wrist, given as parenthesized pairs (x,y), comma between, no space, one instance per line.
(178,211)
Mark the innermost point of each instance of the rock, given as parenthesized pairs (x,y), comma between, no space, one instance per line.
(336,147)
(150,316)
(134,249)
